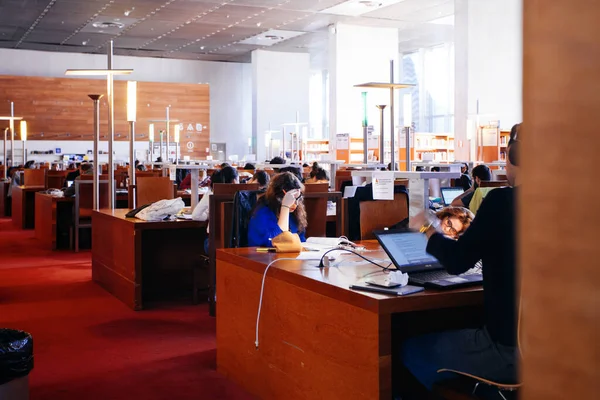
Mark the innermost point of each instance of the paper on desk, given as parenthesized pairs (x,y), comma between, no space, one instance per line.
(398,277)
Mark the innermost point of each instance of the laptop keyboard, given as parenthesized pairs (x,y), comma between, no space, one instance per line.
(422,278)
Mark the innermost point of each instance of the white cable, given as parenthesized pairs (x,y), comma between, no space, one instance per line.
(262,288)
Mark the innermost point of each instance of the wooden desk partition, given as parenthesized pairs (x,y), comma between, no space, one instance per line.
(139,261)
(220,211)
(317,338)
(380,214)
(53,216)
(5,201)
(150,189)
(494,184)
(55,179)
(34,177)
(316,212)
(23,206)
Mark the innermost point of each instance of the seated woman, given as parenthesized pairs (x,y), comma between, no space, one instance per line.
(280,209)
(454,221)
(262,178)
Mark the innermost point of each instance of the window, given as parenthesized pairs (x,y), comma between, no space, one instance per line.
(432,71)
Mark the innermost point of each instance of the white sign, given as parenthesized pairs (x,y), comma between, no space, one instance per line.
(489,136)
(190,127)
(189,145)
(342,141)
(199,127)
(172,172)
(372,141)
(383,185)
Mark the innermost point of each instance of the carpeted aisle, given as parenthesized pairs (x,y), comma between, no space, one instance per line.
(88,345)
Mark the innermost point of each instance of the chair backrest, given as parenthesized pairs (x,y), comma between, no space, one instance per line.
(84,197)
(380,214)
(342,176)
(34,177)
(230,189)
(152,189)
(244,202)
(316,188)
(494,184)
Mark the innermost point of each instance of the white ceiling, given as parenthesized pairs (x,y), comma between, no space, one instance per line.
(205,29)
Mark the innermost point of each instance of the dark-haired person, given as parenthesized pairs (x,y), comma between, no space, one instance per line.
(281,209)
(249,167)
(225,175)
(262,178)
(318,176)
(71,176)
(464,181)
(481,173)
(86,169)
(277,161)
(490,351)
(294,169)
(201,212)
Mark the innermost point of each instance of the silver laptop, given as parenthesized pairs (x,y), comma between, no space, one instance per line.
(407,250)
(450,193)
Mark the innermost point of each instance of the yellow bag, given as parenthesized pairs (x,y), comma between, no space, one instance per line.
(287,242)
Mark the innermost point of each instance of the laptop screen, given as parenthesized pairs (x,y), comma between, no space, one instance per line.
(450,193)
(69,183)
(407,250)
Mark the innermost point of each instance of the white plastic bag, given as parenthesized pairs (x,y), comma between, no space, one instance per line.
(161,210)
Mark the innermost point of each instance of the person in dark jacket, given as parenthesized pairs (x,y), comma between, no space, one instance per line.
(491,351)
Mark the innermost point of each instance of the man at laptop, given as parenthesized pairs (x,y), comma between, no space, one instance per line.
(489,352)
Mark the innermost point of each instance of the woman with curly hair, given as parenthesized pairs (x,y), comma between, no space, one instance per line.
(281,209)
(454,221)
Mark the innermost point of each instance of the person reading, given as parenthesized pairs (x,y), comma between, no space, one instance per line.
(490,351)
(281,209)
(481,173)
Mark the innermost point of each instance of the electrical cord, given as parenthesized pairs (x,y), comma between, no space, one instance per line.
(385,268)
(262,289)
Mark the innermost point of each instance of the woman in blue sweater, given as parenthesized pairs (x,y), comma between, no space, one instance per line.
(280,209)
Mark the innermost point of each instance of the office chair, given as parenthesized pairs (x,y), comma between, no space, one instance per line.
(446,391)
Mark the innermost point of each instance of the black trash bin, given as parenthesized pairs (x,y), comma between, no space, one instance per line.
(16,361)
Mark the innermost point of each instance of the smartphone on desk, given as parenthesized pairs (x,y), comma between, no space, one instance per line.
(399,291)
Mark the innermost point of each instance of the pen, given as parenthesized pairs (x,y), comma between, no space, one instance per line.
(266,250)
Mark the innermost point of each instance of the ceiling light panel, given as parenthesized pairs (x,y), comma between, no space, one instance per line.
(271,37)
(409,9)
(354,8)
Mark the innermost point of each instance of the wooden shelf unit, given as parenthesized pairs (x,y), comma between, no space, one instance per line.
(440,144)
(314,148)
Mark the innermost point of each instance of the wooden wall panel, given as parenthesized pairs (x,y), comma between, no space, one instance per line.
(59,109)
(559,251)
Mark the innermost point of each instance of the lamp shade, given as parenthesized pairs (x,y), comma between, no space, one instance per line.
(407,103)
(131,100)
(23,130)
(151,133)
(176,135)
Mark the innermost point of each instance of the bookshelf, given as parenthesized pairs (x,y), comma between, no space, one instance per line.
(433,147)
(503,144)
(314,148)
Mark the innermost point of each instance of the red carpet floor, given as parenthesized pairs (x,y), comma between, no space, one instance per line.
(88,345)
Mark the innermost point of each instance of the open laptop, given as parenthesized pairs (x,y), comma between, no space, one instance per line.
(450,193)
(69,183)
(406,250)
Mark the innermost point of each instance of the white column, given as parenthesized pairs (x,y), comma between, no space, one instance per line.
(359,54)
(280,89)
(489,58)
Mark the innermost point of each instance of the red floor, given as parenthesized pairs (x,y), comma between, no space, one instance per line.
(88,345)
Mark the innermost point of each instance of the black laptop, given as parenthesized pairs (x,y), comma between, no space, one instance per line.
(407,251)
(450,193)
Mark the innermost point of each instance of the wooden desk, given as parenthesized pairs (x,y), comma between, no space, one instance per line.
(139,261)
(53,216)
(23,205)
(5,205)
(318,339)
